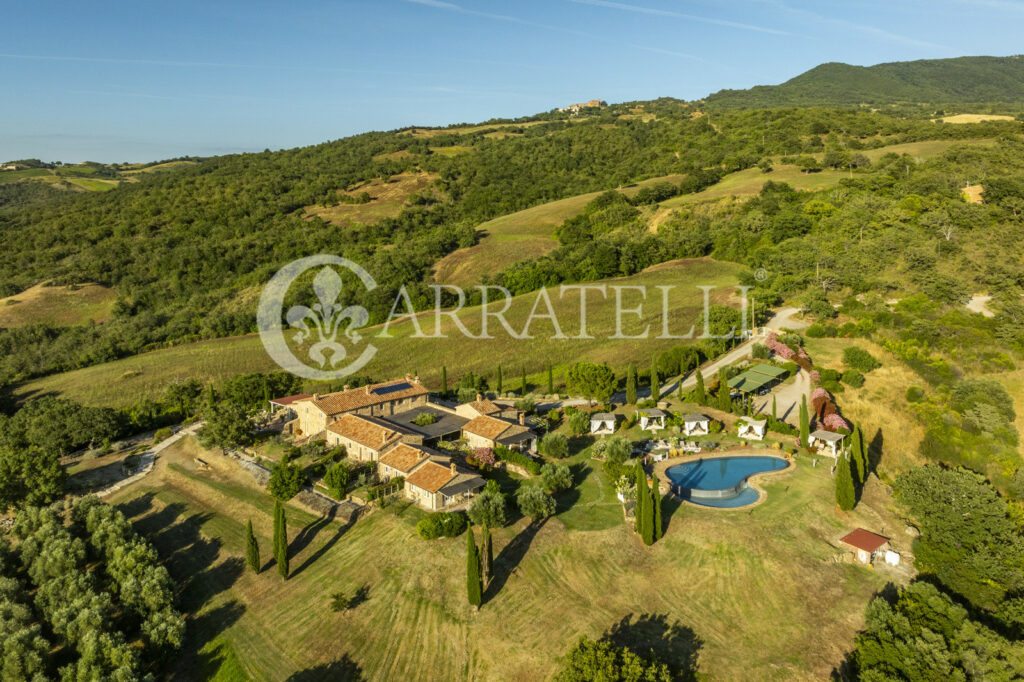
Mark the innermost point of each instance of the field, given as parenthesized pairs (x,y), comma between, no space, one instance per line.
(975,118)
(387,198)
(127,381)
(750,181)
(57,305)
(732,586)
(518,236)
(879,406)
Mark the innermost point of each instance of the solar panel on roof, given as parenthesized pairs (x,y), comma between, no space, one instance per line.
(393,388)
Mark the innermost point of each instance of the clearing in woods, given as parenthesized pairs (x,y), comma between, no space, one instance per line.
(57,305)
(518,237)
(734,584)
(975,118)
(125,382)
(387,199)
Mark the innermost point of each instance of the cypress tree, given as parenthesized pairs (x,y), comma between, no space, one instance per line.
(523,392)
(631,384)
(724,399)
(252,549)
(497,386)
(639,484)
(644,504)
(488,558)
(551,380)
(474,591)
(699,393)
(655,383)
(266,394)
(656,505)
(280,539)
(444,380)
(805,423)
(846,498)
(860,469)
(775,416)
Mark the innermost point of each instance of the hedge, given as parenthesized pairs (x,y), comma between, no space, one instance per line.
(442,525)
(513,457)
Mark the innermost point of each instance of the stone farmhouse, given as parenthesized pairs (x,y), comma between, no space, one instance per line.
(489,432)
(315,413)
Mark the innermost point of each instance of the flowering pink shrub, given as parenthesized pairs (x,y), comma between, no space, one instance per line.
(820,393)
(833,422)
(484,456)
(815,376)
(780,349)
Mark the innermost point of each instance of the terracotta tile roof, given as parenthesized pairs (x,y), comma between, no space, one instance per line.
(431,477)
(288,400)
(404,457)
(487,427)
(374,394)
(485,407)
(864,539)
(364,430)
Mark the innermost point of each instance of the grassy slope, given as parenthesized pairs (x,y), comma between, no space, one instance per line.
(739,580)
(57,305)
(750,181)
(129,380)
(387,200)
(519,236)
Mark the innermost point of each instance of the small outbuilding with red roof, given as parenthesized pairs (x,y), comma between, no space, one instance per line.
(865,544)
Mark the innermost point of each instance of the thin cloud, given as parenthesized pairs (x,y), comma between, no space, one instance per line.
(452,7)
(675,15)
(855,26)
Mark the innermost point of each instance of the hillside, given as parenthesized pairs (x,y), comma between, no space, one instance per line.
(936,81)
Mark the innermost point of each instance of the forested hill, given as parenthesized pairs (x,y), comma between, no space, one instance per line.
(935,81)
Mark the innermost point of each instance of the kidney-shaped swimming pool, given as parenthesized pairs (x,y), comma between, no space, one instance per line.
(722,481)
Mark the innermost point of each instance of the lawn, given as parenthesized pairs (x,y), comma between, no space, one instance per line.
(125,382)
(740,581)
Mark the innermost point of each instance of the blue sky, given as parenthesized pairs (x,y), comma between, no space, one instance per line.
(113,81)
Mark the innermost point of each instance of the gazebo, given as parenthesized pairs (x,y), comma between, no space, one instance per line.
(751,429)
(866,544)
(651,419)
(826,442)
(696,425)
(602,423)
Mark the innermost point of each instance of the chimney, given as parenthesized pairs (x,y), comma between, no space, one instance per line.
(367,389)
(316,397)
(408,377)
(479,397)
(453,469)
(384,437)
(416,379)
(522,418)
(346,387)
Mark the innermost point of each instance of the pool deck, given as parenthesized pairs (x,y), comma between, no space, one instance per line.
(742,451)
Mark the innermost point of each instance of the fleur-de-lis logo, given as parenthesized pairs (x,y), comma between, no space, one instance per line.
(322,323)
(325,318)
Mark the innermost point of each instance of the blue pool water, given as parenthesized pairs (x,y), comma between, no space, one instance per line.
(721,481)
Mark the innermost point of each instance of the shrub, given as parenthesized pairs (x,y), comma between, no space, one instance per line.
(832,386)
(830,375)
(425,419)
(556,477)
(555,444)
(821,331)
(442,525)
(518,458)
(858,358)
(162,434)
(853,378)
(535,503)
(760,351)
(579,424)
(915,394)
